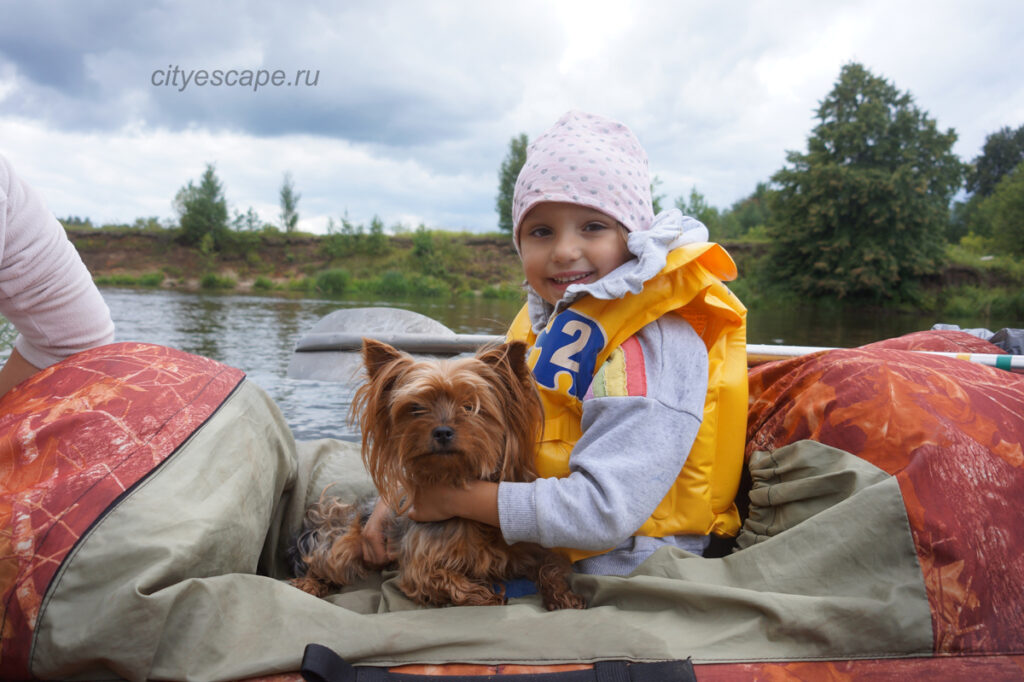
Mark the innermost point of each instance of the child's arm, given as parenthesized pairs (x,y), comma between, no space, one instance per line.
(478,502)
(632,449)
(637,434)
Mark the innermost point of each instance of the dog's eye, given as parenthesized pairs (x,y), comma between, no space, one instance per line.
(469,407)
(417,410)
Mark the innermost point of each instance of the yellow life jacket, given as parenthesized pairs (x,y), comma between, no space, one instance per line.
(576,343)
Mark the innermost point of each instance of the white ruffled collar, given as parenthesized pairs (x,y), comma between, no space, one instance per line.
(670,229)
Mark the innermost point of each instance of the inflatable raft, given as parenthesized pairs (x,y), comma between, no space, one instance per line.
(147,497)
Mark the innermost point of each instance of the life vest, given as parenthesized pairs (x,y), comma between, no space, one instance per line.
(576,343)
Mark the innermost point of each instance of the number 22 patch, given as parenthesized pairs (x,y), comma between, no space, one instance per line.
(569,346)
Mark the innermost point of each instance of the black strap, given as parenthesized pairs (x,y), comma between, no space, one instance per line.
(320,664)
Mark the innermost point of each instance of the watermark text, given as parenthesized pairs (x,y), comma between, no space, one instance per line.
(176,77)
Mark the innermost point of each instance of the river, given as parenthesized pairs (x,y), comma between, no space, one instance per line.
(258,333)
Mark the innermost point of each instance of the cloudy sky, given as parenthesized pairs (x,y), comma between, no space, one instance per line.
(405,109)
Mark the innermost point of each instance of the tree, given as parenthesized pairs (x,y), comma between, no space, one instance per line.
(247,222)
(1003,151)
(203,211)
(289,204)
(656,197)
(697,206)
(1003,211)
(377,242)
(862,213)
(749,213)
(507,175)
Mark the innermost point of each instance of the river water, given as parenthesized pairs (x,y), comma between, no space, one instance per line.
(258,334)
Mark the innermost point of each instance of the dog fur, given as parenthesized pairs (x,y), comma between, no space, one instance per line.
(446,422)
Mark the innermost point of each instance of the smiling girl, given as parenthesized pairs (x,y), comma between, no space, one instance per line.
(638,351)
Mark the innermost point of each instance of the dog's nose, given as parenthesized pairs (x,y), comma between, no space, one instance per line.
(443,435)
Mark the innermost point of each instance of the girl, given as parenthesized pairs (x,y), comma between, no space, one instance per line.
(639,356)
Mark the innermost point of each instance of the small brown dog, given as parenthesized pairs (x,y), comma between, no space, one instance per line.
(431,423)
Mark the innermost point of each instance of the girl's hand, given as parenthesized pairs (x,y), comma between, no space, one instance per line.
(432,504)
(376,549)
(477,502)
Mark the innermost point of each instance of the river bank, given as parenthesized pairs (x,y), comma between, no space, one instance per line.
(436,263)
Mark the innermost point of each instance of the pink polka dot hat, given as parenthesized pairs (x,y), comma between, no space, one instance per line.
(589,160)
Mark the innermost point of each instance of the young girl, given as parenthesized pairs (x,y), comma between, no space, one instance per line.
(639,356)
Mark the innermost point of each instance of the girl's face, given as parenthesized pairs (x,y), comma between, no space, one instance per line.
(565,244)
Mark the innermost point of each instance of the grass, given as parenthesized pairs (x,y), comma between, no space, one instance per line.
(400,284)
(149,279)
(212,280)
(972,301)
(504,292)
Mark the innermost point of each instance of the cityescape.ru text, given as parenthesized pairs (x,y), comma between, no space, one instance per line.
(179,78)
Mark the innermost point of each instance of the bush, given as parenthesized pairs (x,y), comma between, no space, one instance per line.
(263,284)
(151,279)
(116,280)
(398,284)
(971,302)
(212,280)
(391,283)
(302,284)
(334,281)
(505,292)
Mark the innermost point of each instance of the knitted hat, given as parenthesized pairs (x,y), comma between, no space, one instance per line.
(588,160)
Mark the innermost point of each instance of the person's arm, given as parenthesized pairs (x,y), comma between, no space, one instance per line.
(46,291)
(376,550)
(15,371)
(477,502)
(636,437)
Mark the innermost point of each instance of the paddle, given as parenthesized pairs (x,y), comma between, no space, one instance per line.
(330,351)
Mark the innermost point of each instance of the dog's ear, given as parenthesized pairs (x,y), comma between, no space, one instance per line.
(523,412)
(377,355)
(371,409)
(508,357)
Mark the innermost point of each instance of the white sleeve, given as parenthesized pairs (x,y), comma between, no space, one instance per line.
(46,291)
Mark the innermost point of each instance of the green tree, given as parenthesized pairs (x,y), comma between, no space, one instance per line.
(289,204)
(247,222)
(697,206)
(203,211)
(656,197)
(749,213)
(151,223)
(1003,211)
(377,242)
(863,212)
(507,175)
(1002,153)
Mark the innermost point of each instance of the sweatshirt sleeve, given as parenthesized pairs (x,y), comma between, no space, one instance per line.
(46,291)
(640,419)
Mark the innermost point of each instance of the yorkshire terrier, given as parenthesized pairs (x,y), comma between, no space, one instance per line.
(447,422)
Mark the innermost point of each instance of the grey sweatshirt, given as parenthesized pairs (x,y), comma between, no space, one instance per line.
(633,446)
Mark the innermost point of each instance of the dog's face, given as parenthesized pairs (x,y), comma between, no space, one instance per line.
(449,421)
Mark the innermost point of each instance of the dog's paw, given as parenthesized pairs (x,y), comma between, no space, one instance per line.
(317,588)
(564,600)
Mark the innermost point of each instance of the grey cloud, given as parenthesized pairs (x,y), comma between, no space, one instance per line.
(388,73)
